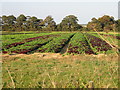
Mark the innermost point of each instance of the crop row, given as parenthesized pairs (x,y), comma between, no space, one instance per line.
(30,45)
(27,47)
(98,45)
(78,45)
(27,40)
(56,44)
(116,37)
(9,39)
(111,40)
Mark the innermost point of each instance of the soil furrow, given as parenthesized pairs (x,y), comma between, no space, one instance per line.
(65,47)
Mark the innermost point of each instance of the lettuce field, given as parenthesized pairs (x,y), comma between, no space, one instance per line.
(78,43)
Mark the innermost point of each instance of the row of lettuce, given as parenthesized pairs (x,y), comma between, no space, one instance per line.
(79,43)
(10,39)
(27,45)
(112,39)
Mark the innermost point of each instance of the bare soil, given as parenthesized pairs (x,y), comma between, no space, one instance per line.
(58,56)
(64,49)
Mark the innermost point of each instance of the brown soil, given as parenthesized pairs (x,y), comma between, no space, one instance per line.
(58,56)
(64,49)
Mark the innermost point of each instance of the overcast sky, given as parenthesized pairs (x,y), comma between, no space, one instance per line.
(59,9)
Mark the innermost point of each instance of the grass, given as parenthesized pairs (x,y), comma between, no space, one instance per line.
(111,33)
(35,72)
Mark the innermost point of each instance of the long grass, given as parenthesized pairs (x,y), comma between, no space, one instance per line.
(81,72)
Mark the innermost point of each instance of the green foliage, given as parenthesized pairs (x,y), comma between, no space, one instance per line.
(49,23)
(104,23)
(118,25)
(84,29)
(69,23)
(56,44)
(78,44)
(29,45)
(106,20)
(9,39)
(20,19)
(111,40)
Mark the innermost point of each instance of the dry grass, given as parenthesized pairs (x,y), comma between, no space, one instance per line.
(59,71)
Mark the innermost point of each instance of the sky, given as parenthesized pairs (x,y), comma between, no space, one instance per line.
(58,9)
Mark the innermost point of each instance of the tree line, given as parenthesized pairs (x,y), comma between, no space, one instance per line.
(105,23)
(69,23)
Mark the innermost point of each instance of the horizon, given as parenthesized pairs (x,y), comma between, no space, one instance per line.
(84,11)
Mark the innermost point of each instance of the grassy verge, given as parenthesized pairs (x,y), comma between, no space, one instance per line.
(33,71)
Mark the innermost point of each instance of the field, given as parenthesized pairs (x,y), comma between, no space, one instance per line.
(78,43)
(64,59)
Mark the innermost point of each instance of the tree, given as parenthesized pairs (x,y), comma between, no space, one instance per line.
(85,29)
(70,23)
(106,20)
(33,23)
(95,26)
(104,23)
(59,27)
(11,20)
(41,23)
(107,28)
(49,23)
(8,22)
(117,24)
(20,21)
(21,18)
(4,19)
(94,20)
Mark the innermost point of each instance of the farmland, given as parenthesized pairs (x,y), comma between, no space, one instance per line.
(36,60)
(59,45)
(78,43)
